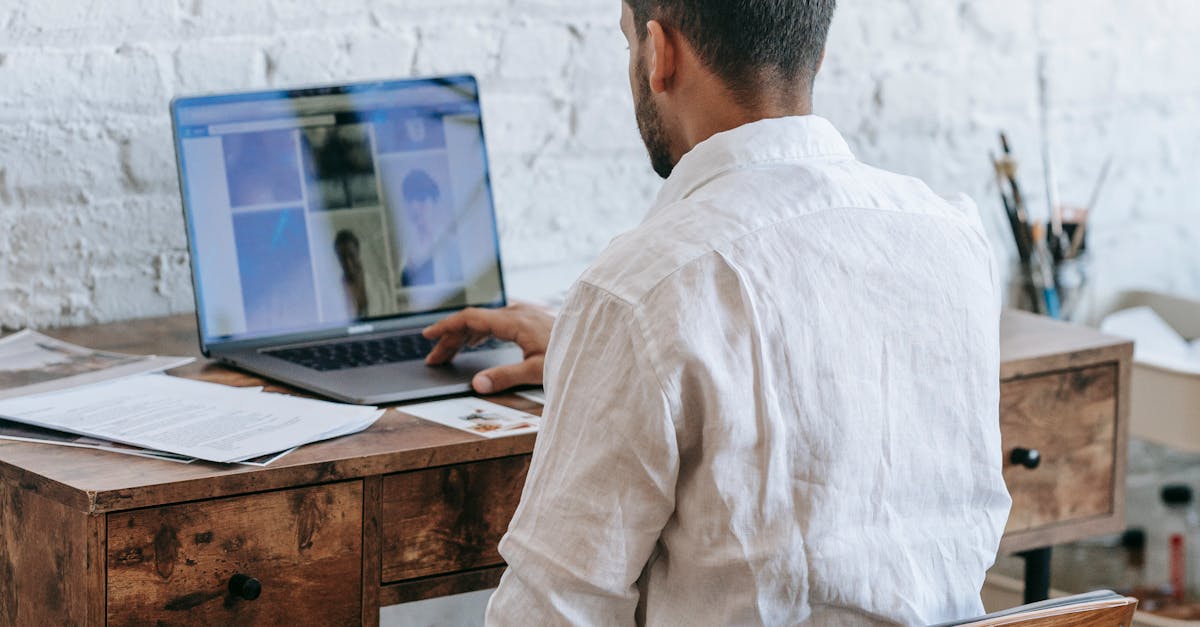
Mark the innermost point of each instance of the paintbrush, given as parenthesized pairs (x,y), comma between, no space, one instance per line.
(1009,210)
(1080,231)
(1007,167)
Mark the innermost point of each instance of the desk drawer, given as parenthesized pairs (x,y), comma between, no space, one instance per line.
(173,565)
(450,519)
(1070,420)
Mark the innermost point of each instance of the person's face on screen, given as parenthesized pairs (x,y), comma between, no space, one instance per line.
(351,262)
(421,213)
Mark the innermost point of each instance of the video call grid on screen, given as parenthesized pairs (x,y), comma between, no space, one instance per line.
(321,208)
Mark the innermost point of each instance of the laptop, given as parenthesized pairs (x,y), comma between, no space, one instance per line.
(329,225)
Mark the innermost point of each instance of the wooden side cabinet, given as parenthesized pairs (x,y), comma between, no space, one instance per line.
(410,510)
(262,559)
(327,554)
(1064,422)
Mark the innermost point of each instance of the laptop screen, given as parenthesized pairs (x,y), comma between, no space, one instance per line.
(324,208)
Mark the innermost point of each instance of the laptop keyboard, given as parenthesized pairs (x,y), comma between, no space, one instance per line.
(362,353)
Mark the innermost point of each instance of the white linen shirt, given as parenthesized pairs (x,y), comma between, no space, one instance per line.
(773,402)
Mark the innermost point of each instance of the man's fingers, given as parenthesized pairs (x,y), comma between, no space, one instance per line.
(528,372)
(499,323)
(446,348)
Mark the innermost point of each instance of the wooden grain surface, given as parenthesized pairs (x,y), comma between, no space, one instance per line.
(440,586)
(1031,345)
(94,481)
(448,519)
(1070,418)
(371,549)
(45,565)
(172,565)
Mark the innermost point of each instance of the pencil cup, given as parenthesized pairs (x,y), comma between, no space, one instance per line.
(1020,292)
(1072,278)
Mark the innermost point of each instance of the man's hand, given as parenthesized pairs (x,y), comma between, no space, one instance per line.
(526,325)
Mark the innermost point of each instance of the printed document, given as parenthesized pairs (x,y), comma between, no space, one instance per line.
(190,418)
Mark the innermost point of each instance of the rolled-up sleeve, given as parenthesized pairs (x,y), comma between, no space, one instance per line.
(601,486)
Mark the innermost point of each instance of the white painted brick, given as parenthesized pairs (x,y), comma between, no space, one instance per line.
(604,122)
(213,65)
(381,53)
(80,85)
(90,225)
(443,48)
(224,18)
(323,14)
(59,161)
(147,155)
(1061,20)
(307,59)
(535,50)
(1005,24)
(1164,69)
(70,23)
(525,123)
(600,57)
(1080,75)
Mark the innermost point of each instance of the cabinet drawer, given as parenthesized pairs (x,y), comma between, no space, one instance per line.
(1070,420)
(173,565)
(448,519)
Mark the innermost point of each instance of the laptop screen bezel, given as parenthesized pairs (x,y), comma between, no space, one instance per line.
(397,322)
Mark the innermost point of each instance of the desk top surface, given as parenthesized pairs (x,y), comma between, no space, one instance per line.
(96,482)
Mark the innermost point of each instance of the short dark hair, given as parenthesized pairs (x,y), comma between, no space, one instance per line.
(752,45)
(418,185)
(345,236)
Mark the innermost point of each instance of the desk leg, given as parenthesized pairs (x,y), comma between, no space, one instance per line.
(372,546)
(1037,574)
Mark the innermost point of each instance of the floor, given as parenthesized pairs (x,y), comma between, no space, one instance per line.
(463,610)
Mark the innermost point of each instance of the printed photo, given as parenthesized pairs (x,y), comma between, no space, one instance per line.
(49,361)
(276,270)
(339,167)
(477,416)
(262,168)
(352,255)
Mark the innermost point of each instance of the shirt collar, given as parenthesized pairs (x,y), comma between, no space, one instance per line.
(764,141)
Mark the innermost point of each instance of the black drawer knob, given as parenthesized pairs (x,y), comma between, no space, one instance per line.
(1028,457)
(245,587)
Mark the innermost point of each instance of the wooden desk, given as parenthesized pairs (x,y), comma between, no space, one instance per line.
(409,510)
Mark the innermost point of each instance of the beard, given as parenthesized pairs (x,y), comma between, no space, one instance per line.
(650,123)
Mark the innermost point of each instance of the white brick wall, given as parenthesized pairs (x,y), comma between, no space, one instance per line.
(90,225)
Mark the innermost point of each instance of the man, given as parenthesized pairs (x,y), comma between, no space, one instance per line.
(775,401)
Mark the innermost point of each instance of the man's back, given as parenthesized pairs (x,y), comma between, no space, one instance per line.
(774,401)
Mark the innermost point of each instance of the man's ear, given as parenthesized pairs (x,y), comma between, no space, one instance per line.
(662,57)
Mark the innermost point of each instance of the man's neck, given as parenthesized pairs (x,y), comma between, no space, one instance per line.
(725,116)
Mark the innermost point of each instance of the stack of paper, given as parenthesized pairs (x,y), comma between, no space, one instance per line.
(1155,342)
(68,395)
(191,418)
